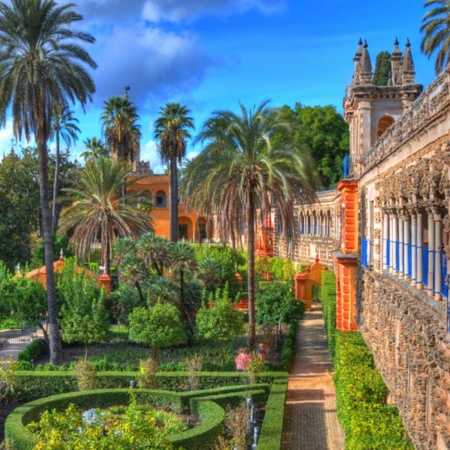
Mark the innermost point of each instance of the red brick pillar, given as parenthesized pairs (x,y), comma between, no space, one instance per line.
(346,258)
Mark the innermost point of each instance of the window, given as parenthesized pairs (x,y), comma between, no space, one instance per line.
(182,231)
(160,199)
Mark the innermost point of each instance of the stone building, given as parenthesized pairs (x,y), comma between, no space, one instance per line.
(386,233)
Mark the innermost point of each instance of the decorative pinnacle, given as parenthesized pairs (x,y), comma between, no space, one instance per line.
(408,44)
(360,41)
(396,41)
(365,44)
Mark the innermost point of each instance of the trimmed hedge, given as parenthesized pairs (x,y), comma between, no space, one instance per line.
(272,427)
(288,351)
(32,385)
(328,299)
(368,422)
(208,407)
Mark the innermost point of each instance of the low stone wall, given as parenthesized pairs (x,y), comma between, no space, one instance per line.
(406,333)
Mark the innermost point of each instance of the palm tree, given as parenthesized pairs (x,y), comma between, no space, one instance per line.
(436,26)
(63,127)
(42,66)
(241,170)
(182,262)
(95,210)
(120,128)
(171,129)
(95,148)
(154,250)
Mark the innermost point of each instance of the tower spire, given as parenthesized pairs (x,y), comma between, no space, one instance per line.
(396,65)
(366,65)
(357,60)
(409,73)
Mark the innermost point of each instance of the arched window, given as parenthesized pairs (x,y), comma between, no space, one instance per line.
(383,124)
(160,199)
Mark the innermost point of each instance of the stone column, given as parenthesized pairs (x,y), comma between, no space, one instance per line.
(385,238)
(414,248)
(431,249)
(437,217)
(394,240)
(406,242)
(401,260)
(419,243)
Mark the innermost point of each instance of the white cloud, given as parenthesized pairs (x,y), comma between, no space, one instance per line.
(178,10)
(154,63)
(150,153)
(155,11)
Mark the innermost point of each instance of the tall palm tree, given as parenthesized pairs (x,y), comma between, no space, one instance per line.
(95,148)
(171,129)
(436,26)
(241,170)
(96,211)
(120,128)
(42,65)
(64,127)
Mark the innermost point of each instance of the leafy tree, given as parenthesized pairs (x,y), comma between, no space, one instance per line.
(436,26)
(243,170)
(95,210)
(120,128)
(323,131)
(42,65)
(19,207)
(5,291)
(171,129)
(123,300)
(157,326)
(276,304)
(28,304)
(64,127)
(382,69)
(84,315)
(218,321)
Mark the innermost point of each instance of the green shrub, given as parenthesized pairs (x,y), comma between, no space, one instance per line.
(288,351)
(33,350)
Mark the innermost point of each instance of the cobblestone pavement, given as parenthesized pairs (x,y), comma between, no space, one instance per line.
(310,420)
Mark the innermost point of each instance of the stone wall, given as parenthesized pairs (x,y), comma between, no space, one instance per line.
(406,334)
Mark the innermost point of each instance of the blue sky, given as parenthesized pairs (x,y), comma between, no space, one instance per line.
(213,54)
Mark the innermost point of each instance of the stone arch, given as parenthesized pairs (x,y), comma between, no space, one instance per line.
(384,123)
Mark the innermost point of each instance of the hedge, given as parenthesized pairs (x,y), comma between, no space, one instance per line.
(288,351)
(368,422)
(272,427)
(328,299)
(32,385)
(208,407)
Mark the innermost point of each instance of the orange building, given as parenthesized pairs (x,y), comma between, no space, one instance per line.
(155,189)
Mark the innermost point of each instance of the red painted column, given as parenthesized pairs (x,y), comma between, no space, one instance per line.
(346,258)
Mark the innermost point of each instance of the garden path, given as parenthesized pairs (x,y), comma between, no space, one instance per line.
(310,420)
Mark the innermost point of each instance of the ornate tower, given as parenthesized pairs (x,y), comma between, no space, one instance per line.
(370,109)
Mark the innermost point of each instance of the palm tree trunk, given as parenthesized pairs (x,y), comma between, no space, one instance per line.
(55,184)
(54,335)
(106,252)
(173,200)
(251,271)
